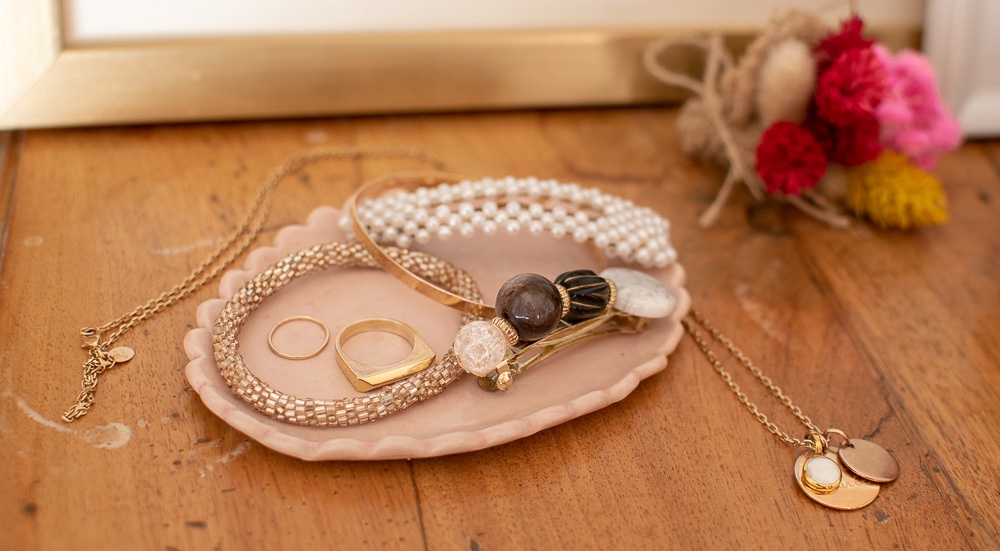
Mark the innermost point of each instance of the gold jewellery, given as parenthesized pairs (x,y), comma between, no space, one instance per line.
(406,209)
(390,265)
(365,376)
(98,340)
(326,338)
(845,477)
(835,470)
(357,410)
(533,317)
(362,375)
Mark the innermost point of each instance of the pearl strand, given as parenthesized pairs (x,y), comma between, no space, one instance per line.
(615,225)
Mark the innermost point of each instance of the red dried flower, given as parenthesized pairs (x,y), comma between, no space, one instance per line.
(789,159)
(849,38)
(856,144)
(851,88)
(850,145)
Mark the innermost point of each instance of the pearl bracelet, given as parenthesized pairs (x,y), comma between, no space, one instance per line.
(616,226)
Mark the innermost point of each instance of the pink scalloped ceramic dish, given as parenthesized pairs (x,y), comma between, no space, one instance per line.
(464,417)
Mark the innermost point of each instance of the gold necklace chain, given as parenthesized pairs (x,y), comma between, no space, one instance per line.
(99,339)
(846,477)
(756,372)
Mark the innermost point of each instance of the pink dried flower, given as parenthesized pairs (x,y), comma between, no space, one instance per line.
(912,118)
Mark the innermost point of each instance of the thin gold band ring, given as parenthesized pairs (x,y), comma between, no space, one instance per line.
(326,338)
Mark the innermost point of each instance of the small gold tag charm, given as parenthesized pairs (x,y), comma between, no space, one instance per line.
(850,492)
(868,460)
(121,354)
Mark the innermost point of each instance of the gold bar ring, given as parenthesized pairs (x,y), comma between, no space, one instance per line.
(366,376)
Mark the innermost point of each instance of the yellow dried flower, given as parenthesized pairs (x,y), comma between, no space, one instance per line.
(893,193)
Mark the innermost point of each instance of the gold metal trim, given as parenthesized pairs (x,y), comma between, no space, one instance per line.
(507,329)
(612,294)
(564,300)
(815,485)
(45,83)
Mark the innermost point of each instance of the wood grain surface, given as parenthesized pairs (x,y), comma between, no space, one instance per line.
(888,335)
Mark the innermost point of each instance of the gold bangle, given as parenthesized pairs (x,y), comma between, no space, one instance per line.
(411,182)
(326,338)
(365,376)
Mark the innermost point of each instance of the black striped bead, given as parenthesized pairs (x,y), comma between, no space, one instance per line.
(589,294)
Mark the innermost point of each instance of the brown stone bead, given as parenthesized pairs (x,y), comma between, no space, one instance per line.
(531,304)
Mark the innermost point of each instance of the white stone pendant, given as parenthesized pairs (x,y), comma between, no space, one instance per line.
(640,294)
(823,479)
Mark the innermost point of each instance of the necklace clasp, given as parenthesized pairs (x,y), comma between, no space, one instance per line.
(91,338)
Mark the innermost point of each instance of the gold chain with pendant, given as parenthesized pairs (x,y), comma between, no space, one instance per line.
(98,340)
(847,477)
(757,373)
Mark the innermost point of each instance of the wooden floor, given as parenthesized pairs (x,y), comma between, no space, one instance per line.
(888,335)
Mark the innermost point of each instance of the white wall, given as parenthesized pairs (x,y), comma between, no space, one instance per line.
(104,21)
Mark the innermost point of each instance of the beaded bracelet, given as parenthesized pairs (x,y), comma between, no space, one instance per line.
(346,411)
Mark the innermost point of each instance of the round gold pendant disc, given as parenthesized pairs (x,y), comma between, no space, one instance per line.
(868,460)
(852,493)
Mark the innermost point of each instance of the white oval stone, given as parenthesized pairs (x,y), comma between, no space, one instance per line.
(823,471)
(480,347)
(640,294)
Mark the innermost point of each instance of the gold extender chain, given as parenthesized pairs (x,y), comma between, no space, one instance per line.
(103,358)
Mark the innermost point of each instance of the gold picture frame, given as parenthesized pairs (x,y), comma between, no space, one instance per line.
(44,83)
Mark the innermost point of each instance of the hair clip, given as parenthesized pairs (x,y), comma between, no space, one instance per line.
(537,318)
